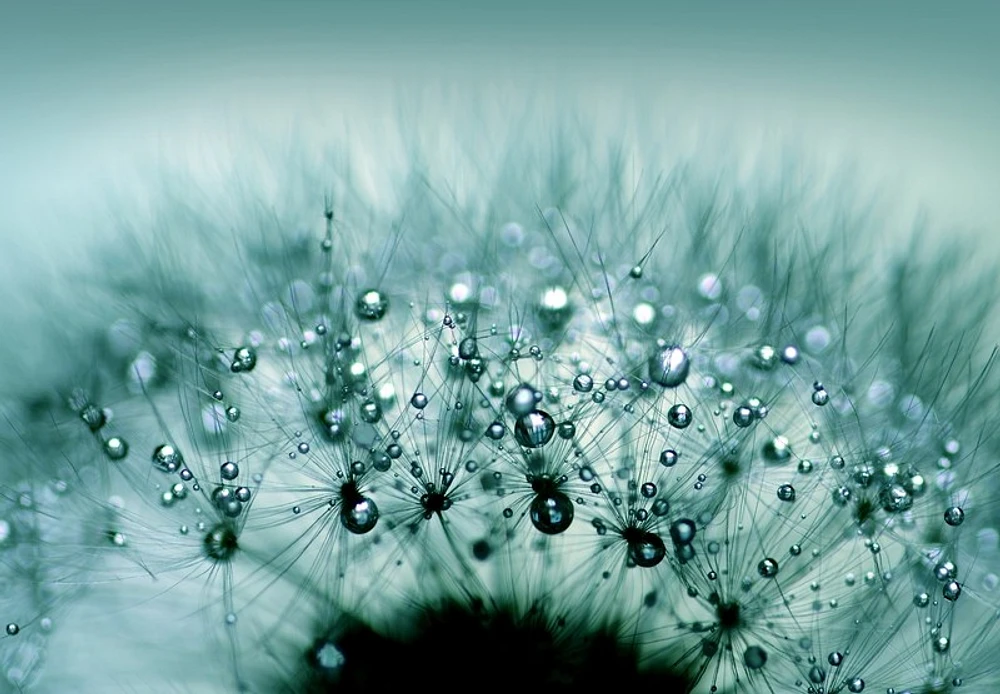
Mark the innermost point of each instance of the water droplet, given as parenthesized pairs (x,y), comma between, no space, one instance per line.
(856,685)
(93,416)
(13,629)
(661,507)
(954,516)
(167,459)
(371,411)
(534,429)
(229,470)
(894,498)
(786,492)
(951,590)
(334,422)
(669,367)
(522,400)
(359,514)
(945,570)
(636,272)
(767,568)
(496,431)
(551,513)
(232,413)
(554,308)
(679,416)
(820,395)
(115,448)
(754,657)
(221,542)
(468,348)
(583,383)
(835,658)
(371,305)
(646,549)
(419,401)
(481,550)
(244,360)
(669,457)
(765,357)
(242,494)
(790,355)
(817,675)
(682,531)
(743,416)
(648,490)
(567,430)
(777,450)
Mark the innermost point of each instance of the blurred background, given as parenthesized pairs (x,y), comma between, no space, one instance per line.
(92,92)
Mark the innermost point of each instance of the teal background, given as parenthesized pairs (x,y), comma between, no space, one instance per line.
(89,89)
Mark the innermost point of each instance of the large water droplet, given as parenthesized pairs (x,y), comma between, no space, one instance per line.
(535,429)
(551,513)
(754,657)
(646,549)
(359,514)
(669,367)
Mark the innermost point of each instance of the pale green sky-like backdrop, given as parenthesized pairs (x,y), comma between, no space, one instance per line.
(87,89)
